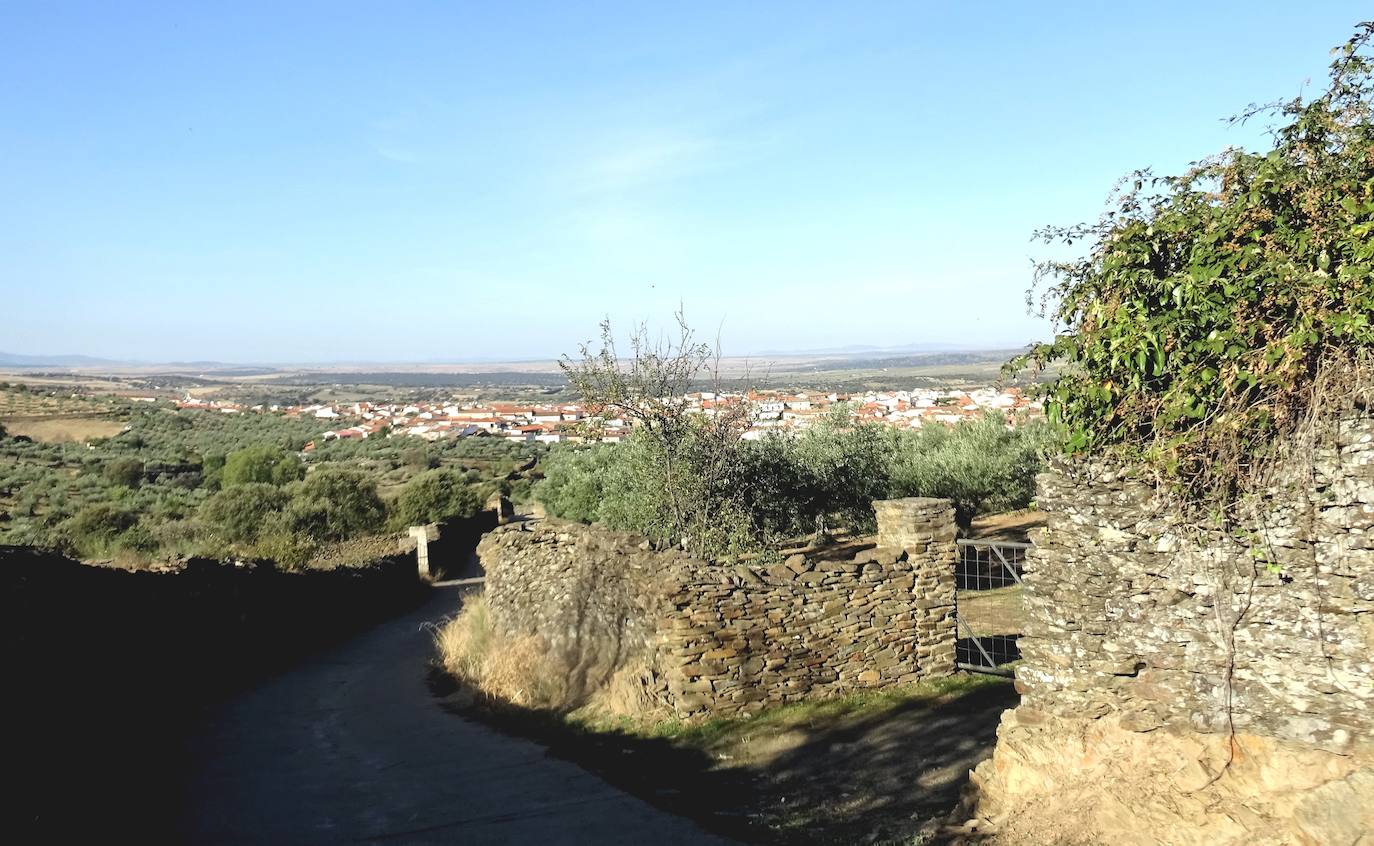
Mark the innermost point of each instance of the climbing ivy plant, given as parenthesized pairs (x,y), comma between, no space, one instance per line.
(1190,335)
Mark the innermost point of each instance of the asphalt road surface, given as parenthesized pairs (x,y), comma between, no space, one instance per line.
(352,747)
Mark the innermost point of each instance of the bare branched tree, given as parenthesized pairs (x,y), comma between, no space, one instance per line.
(694,452)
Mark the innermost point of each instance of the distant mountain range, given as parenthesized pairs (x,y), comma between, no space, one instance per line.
(868,349)
(16,360)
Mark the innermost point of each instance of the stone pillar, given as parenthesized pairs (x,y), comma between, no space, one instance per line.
(422,537)
(501,504)
(925,530)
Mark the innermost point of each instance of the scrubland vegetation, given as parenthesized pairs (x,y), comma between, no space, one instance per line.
(782,487)
(195,483)
(172,484)
(693,478)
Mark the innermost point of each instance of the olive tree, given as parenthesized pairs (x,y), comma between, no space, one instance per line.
(685,459)
(261,463)
(433,496)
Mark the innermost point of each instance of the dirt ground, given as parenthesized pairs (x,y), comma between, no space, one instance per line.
(56,429)
(1000,611)
(865,769)
(1011,525)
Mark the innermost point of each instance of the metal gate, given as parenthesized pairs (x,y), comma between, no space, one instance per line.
(987,604)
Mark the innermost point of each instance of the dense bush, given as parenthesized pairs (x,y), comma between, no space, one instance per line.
(575,484)
(433,496)
(783,487)
(335,504)
(981,465)
(94,529)
(239,513)
(262,463)
(1210,303)
(127,472)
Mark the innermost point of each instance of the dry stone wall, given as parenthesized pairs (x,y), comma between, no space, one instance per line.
(720,638)
(592,596)
(1185,685)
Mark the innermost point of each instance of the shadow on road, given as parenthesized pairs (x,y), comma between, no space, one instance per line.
(107,670)
(868,774)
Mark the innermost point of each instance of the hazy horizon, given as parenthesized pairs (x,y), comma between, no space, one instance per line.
(11,358)
(336,182)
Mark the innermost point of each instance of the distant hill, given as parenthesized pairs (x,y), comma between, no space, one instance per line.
(16,360)
(867,349)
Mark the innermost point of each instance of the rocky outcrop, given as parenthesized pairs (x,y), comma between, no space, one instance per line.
(1184,684)
(720,638)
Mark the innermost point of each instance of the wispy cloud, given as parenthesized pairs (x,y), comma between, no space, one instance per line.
(397,154)
(660,158)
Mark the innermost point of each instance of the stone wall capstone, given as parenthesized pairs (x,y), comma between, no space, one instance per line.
(1153,642)
(719,638)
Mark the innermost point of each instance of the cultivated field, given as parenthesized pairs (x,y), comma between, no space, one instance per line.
(64,428)
(54,419)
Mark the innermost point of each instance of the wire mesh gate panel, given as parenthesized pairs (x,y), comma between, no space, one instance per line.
(987,604)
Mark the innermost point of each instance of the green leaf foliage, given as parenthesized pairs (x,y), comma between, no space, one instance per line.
(335,504)
(575,481)
(239,513)
(94,530)
(127,472)
(262,464)
(433,496)
(787,487)
(982,465)
(1193,330)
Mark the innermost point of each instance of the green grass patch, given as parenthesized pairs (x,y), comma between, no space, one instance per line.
(810,714)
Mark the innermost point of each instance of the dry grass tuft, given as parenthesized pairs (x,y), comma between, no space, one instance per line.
(513,670)
(627,693)
(525,672)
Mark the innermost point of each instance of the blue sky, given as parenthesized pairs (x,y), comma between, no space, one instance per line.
(444,181)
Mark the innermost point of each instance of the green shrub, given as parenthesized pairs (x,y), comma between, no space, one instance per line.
(93,530)
(981,465)
(334,504)
(124,471)
(239,513)
(138,539)
(1210,303)
(574,484)
(279,544)
(433,496)
(212,471)
(417,458)
(784,487)
(261,464)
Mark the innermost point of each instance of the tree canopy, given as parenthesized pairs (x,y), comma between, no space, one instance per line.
(334,504)
(261,463)
(433,496)
(239,513)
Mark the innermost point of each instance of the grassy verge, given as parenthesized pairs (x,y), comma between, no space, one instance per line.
(714,734)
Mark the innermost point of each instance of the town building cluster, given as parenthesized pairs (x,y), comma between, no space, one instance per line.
(763,412)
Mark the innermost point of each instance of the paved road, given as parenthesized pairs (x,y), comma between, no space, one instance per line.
(351,747)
